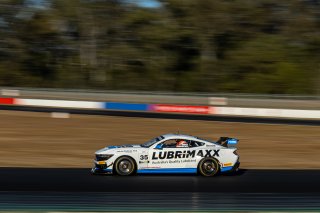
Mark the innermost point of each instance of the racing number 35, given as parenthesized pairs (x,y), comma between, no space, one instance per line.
(143,157)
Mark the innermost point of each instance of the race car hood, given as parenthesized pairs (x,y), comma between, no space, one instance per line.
(116,148)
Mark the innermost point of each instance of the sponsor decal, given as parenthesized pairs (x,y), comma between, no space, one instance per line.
(184,154)
(232,141)
(173,161)
(127,151)
(180,108)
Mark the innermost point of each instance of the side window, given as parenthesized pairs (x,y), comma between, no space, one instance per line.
(169,144)
(175,143)
(195,144)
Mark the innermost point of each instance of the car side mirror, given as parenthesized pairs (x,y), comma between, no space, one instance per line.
(159,146)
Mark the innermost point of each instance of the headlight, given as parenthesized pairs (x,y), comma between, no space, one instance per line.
(101,157)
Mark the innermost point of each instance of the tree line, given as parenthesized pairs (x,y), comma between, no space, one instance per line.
(237,46)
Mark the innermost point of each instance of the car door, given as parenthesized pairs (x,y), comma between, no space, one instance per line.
(195,153)
(166,155)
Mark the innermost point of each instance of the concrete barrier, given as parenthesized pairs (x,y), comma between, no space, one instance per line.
(165,108)
(197,99)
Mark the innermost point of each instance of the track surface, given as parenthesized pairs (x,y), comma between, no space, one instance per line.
(74,180)
(168,115)
(154,202)
(77,190)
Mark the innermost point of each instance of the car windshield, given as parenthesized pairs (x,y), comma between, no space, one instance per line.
(152,141)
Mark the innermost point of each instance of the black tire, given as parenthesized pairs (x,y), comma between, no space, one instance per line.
(208,167)
(124,166)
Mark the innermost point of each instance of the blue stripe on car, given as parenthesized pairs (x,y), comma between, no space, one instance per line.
(104,170)
(225,169)
(166,171)
(174,170)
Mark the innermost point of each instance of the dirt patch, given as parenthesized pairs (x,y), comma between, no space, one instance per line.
(37,140)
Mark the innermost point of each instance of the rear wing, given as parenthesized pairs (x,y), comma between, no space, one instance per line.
(228,142)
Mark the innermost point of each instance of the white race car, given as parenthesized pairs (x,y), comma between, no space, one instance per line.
(169,153)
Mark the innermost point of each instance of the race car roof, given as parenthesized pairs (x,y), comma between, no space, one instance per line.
(181,136)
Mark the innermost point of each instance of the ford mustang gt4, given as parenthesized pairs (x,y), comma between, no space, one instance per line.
(169,153)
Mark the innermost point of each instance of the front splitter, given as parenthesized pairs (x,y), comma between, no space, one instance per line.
(97,171)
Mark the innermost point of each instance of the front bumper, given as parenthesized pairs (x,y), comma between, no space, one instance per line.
(101,169)
(97,171)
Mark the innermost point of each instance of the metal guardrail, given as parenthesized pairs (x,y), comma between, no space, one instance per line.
(225,99)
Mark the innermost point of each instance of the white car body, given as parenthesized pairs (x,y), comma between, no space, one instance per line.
(155,157)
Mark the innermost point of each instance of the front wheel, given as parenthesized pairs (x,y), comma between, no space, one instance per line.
(208,167)
(124,166)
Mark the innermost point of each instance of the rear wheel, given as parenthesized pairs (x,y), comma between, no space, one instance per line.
(208,167)
(125,166)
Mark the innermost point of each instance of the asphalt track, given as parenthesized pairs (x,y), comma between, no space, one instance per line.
(78,190)
(241,119)
(80,180)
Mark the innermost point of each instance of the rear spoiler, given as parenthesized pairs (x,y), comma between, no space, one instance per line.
(228,142)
